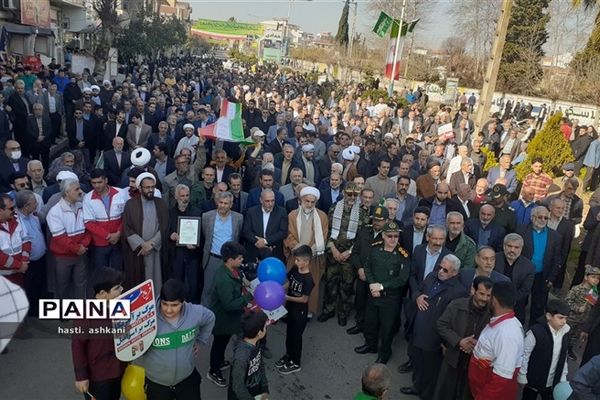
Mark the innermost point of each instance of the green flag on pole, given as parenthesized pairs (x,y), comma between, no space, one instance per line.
(383,24)
(407,27)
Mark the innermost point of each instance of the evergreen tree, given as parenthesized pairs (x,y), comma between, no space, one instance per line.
(520,68)
(342,34)
(550,145)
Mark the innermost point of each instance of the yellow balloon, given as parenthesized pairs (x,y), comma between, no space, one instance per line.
(132,384)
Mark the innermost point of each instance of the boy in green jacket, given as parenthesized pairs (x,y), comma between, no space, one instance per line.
(228,303)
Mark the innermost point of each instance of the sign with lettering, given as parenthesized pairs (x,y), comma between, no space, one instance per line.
(141,328)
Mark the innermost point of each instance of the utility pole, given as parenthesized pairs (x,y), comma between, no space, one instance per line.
(352,34)
(395,60)
(491,74)
(412,41)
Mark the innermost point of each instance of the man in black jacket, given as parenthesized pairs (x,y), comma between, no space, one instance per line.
(39,134)
(415,234)
(426,258)
(11,161)
(184,257)
(116,161)
(265,241)
(20,108)
(433,295)
(542,246)
(591,222)
(483,230)
(520,270)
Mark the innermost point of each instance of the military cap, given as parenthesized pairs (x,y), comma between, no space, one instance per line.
(351,187)
(589,270)
(391,226)
(498,191)
(381,213)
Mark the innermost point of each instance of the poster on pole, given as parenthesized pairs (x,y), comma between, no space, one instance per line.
(445,131)
(140,329)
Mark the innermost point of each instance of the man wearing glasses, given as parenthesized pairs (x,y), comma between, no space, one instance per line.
(435,293)
(386,270)
(346,217)
(542,246)
(15,241)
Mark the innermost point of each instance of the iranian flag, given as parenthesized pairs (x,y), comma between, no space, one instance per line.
(229,125)
(407,27)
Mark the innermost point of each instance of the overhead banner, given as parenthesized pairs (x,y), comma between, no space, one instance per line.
(225,30)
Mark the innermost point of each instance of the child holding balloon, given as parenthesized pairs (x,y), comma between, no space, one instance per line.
(299,286)
(228,303)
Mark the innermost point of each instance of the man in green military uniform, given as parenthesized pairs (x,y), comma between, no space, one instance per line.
(360,253)
(346,217)
(505,215)
(387,271)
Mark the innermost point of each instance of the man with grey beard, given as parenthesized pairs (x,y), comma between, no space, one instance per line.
(184,258)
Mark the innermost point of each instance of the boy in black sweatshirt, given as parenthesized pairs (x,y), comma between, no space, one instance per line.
(248,378)
(299,286)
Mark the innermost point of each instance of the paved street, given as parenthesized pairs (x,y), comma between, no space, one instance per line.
(41,368)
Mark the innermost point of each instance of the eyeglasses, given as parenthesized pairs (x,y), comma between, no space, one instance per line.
(446,270)
(350,194)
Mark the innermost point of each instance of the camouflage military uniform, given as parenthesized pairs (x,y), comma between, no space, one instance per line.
(340,276)
(580,310)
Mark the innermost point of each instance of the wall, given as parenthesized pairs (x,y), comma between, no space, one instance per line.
(587,114)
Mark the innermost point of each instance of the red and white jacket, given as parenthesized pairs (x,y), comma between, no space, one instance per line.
(15,246)
(97,221)
(66,226)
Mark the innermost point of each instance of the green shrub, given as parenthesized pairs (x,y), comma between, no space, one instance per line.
(375,94)
(491,160)
(551,146)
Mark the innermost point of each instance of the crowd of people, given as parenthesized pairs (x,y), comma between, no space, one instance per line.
(378,218)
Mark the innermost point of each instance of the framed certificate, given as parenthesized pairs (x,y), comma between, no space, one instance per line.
(188,229)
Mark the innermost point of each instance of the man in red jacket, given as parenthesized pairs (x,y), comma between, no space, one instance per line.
(102,216)
(14,242)
(498,354)
(69,242)
(98,372)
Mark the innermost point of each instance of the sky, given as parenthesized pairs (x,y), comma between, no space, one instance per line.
(314,16)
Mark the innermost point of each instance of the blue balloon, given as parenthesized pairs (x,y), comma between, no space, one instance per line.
(269,295)
(562,391)
(272,269)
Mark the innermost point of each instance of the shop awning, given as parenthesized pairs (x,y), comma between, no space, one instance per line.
(26,30)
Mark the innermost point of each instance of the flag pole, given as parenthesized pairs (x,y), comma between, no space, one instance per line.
(391,87)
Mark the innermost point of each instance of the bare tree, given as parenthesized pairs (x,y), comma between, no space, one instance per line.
(107,31)
(568,29)
(476,21)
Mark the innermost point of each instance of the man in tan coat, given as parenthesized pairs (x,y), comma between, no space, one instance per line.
(309,225)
